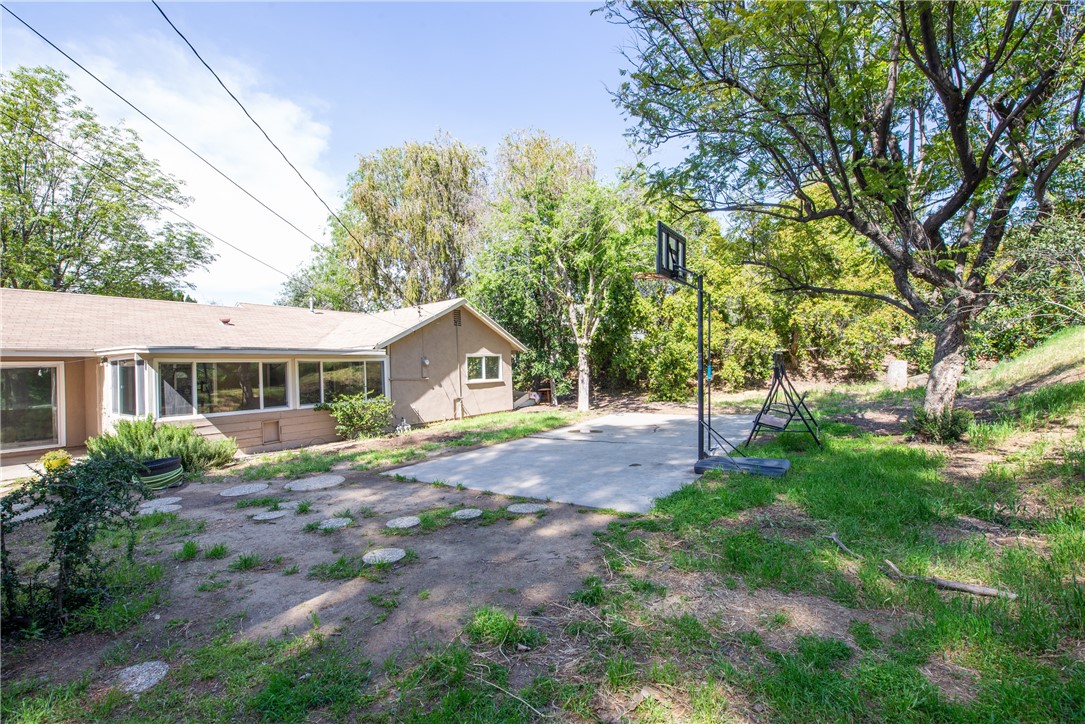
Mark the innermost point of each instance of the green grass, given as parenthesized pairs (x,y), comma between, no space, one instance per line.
(188,551)
(347,567)
(496,627)
(292,465)
(1028,412)
(1058,353)
(884,500)
(287,679)
(131,592)
(216,552)
(271,503)
(246,562)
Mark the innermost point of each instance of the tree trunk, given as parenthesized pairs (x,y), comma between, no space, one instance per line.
(583,378)
(948,366)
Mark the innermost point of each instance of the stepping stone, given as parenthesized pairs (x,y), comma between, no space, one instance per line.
(137,679)
(466,514)
(290,505)
(318,482)
(30,515)
(269,515)
(526,508)
(407,521)
(159,509)
(334,523)
(384,555)
(248,489)
(20,507)
(158,502)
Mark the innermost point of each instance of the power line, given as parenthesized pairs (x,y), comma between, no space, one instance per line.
(159,126)
(164,207)
(248,115)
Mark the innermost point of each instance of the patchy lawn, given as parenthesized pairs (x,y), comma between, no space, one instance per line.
(731,601)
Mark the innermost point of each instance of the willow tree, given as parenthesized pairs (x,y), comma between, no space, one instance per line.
(933,128)
(413,213)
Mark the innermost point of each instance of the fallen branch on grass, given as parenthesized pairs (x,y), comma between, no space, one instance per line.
(843,547)
(948,585)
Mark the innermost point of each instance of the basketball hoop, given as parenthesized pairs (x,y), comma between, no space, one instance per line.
(651,277)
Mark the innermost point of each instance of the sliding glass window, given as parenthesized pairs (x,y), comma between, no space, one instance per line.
(324,381)
(209,388)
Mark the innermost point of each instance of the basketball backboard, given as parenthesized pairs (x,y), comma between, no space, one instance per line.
(670,253)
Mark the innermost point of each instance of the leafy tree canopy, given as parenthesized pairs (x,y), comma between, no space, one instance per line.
(413,213)
(932,128)
(80,205)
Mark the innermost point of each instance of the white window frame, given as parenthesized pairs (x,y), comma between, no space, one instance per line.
(500,368)
(62,432)
(383,362)
(290,373)
(139,379)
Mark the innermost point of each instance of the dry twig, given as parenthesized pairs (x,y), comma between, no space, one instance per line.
(835,539)
(948,585)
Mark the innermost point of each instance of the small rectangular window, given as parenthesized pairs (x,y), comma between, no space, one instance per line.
(484,368)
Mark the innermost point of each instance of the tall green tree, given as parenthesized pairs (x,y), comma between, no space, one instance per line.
(80,205)
(557,241)
(413,213)
(933,127)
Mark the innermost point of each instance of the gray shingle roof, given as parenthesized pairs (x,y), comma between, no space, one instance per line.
(84,323)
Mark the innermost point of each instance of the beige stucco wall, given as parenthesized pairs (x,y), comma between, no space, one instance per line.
(441,390)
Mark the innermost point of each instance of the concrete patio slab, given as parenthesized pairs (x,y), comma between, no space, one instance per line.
(622,461)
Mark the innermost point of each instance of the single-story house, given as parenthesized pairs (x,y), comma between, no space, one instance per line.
(71,365)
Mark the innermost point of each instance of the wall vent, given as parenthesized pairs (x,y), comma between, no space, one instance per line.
(457,318)
(271,432)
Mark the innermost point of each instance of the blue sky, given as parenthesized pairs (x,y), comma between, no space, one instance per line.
(329,81)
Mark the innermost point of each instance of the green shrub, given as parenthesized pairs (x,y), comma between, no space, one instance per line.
(82,501)
(145,440)
(947,426)
(359,416)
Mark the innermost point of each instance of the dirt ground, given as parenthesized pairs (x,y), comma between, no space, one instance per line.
(519,564)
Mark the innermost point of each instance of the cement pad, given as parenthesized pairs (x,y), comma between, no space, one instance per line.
(623,461)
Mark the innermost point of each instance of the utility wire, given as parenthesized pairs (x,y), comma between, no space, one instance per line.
(164,207)
(248,115)
(157,125)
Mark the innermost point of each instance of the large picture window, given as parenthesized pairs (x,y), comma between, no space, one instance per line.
(484,368)
(29,415)
(210,388)
(324,381)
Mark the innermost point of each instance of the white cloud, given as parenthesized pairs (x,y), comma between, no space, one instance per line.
(160,76)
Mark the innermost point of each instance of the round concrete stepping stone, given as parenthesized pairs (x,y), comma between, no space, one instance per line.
(334,523)
(318,482)
(384,555)
(158,502)
(269,515)
(247,489)
(159,509)
(407,521)
(137,679)
(30,515)
(290,505)
(526,508)
(466,514)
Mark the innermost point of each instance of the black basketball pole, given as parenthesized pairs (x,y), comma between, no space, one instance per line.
(700,367)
